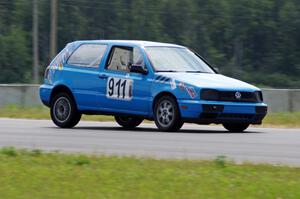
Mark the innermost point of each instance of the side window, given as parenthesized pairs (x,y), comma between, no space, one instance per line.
(123,57)
(87,55)
(138,58)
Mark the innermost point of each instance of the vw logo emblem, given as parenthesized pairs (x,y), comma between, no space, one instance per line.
(238,95)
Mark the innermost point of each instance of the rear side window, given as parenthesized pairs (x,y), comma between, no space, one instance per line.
(87,55)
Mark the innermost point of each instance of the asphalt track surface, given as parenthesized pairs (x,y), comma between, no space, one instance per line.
(258,145)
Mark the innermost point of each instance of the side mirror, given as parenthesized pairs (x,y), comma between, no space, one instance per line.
(139,69)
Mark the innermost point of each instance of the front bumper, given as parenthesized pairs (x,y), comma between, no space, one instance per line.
(204,112)
(216,114)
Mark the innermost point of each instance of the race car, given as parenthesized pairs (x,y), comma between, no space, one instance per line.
(137,80)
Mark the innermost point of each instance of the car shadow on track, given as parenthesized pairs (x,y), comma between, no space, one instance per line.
(152,130)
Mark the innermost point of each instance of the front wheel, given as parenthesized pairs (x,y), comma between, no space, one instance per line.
(63,111)
(166,114)
(236,127)
(128,122)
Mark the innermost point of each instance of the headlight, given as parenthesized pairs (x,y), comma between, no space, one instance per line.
(258,96)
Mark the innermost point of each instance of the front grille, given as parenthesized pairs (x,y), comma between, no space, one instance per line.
(233,96)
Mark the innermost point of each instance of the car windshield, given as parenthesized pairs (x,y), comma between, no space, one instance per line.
(176,59)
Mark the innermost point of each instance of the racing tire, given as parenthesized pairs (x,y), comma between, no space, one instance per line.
(63,111)
(166,114)
(128,122)
(236,127)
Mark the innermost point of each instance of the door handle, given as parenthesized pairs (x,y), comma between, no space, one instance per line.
(102,76)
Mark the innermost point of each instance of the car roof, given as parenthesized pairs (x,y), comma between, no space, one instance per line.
(130,42)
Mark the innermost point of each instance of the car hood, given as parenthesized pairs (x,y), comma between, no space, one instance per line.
(214,81)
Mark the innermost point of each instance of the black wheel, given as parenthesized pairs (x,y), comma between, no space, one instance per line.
(166,114)
(128,122)
(236,127)
(63,111)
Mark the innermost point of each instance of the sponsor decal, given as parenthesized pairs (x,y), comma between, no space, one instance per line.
(162,79)
(181,86)
(66,55)
(58,62)
(119,88)
(173,84)
(60,66)
(191,91)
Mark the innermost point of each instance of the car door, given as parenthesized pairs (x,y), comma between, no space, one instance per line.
(81,72)
(126,92)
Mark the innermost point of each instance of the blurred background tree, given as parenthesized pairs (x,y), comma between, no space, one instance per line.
(254,40)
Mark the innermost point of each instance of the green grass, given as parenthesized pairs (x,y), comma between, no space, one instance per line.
(41,112)
(283,119)
(34,174)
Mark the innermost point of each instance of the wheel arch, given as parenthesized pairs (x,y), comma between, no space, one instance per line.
(163,93)
(61,89)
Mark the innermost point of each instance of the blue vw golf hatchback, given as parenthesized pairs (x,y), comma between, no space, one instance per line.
(137,80)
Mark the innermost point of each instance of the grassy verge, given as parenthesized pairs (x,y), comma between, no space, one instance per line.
(272,119)
(34,174)
(283,119)
(41,112)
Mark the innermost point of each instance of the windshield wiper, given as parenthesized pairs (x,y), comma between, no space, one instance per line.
(174,71)
(196,71)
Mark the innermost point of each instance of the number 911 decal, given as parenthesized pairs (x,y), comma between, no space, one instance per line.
(118,88)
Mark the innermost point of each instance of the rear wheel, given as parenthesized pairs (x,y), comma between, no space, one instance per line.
(166,114)
(236,127)
(63,111)
(128,122)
